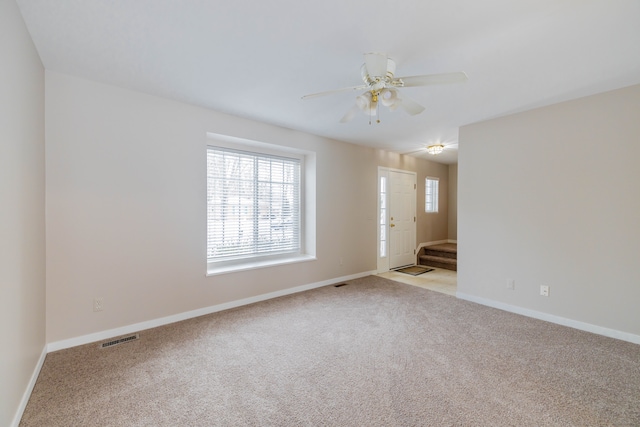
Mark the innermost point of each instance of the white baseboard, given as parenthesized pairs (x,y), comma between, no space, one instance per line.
(27,393)
(452,241)
(607,332)
(136,327)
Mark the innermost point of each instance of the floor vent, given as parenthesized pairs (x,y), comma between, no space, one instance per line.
(119,341)
(341,284)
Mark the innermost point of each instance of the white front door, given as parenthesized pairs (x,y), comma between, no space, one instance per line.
(402,219)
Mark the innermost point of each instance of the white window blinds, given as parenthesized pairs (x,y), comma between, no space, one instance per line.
(253,204)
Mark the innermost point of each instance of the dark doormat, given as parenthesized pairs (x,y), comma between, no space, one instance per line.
(414,270)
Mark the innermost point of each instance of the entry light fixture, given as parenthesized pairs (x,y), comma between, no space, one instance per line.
(435,149)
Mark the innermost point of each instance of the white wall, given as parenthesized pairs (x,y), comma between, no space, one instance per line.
(552,196)
(126,208)
(22,225)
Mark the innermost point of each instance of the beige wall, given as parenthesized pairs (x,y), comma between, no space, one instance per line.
(126,208)
(433,227)
(453,202)
(22,186)
(552,197)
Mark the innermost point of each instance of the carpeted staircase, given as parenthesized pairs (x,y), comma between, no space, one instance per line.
(444,256)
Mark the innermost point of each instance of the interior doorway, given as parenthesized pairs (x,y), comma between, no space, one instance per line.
(397,218)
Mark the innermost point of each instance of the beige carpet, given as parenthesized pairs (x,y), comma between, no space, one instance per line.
(373,353)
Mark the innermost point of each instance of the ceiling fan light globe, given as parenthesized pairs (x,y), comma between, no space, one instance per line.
(364,101)
(389,97)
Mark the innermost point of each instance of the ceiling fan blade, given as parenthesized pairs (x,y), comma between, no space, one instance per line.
(350,114)
(432,79)
(410,106)
(376,64)
(330,92)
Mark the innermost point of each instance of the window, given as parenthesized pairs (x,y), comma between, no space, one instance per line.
(431,195)
(383,216)
(253,204)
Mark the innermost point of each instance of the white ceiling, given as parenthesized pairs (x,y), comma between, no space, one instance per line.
(256,58)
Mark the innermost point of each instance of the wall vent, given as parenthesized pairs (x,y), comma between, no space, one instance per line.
(120,341)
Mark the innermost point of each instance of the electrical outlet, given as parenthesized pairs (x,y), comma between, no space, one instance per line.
(98,304)
(544,290)
(341,261)
(511,284)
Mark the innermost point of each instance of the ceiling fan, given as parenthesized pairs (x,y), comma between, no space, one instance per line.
(381,87)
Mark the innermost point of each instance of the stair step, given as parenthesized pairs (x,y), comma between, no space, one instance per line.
(441,254)
(444,250)
(439,262)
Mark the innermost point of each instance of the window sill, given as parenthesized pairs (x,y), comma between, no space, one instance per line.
(213,270)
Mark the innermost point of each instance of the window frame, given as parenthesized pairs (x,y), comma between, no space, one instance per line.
(383,216)
(306,214)
(431,198)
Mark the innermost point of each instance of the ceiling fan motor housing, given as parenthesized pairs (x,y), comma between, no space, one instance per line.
(378,77)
